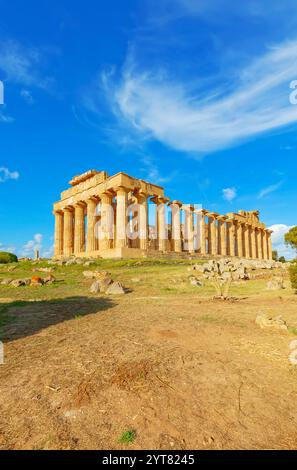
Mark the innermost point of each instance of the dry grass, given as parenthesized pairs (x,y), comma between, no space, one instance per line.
(166,361)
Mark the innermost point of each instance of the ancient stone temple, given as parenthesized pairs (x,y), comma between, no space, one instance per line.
(108,216)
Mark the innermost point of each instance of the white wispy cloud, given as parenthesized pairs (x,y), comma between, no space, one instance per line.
(206,121)
(48,252)
(27,96)
(5,119)
(229,194)
(269,189)
(21,65)
(6,174)
(278,242)
(8,248)
(32,245)
(152,172)
(174,9)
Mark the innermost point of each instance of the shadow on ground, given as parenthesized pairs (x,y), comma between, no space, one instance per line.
(23,318)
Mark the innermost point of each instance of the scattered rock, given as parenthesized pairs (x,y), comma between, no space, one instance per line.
(96,274)
(115,288)
(89,274)
(11,268)
(44,270)
(95,287)
(88,263)
(49,280)
(264,321)
(36,281)
(276,283)
(104,283)
(17,283)
(196,283)
(6,282)
(70,262)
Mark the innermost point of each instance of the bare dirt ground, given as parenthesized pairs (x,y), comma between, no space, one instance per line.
(182,370)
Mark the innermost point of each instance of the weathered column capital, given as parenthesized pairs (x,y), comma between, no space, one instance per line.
(160,200)
(122,189)
(80,204)
(213,215)
(58,212)
(175,203)
(68,209)
(221,218)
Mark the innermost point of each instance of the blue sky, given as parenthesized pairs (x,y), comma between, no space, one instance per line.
(189,94)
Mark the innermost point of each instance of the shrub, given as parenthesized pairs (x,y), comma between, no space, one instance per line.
(282,259)
(6,257)
(127,437)
(293,275)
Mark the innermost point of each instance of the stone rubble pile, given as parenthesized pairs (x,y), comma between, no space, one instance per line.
(103,283)
(223,269)
(265,321)
(276,283)
(72,261)
(34,281)
(227,268)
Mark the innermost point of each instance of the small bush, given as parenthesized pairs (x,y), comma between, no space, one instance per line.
(6,257)
(127,437)
(293,275)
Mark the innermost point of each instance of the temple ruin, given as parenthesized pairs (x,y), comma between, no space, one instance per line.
(107,216)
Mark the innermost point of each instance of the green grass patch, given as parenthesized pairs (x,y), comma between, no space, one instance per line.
(127,437)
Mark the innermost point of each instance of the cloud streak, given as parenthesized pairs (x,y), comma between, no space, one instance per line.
(229,194)
(6,174)
(204,121)
(20,64)
(270,189)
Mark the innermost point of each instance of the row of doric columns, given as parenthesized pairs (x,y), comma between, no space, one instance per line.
(230,237)
(82,228)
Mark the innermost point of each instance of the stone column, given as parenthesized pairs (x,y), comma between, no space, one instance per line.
(209,233)
(265,245)
(59,221)
(189,227)
(231,237)
(239,239)
(269,244)
(176,244)
(202,231)
(253,243)
(79,228)
(161,222)
(247,253)
(91,223)
(107,221)
(259,243)
(222,236)
(143,220)
(121,217)
(68,232)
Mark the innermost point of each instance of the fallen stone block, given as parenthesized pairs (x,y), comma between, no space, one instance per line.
(115,288)
(264,321)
